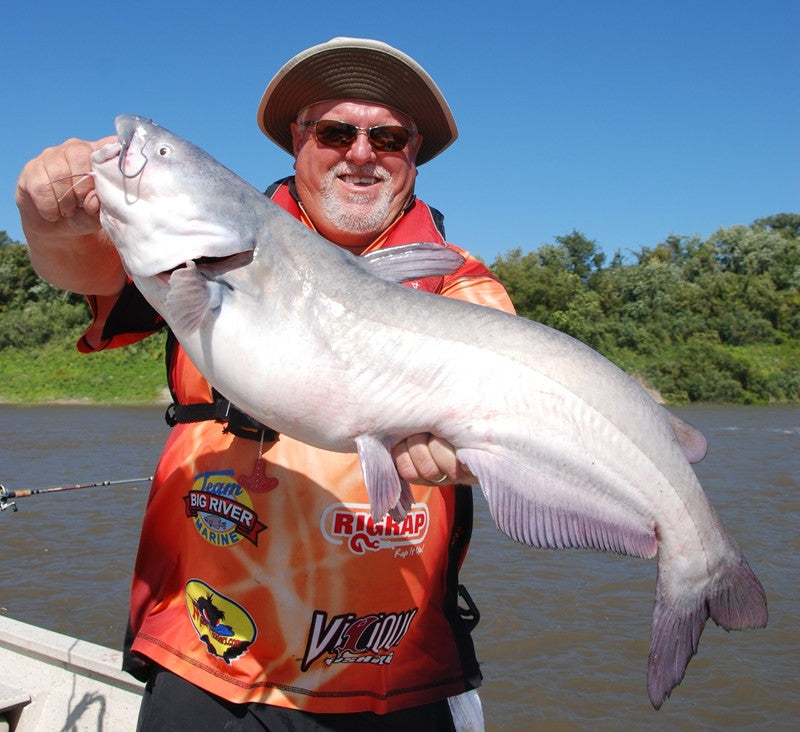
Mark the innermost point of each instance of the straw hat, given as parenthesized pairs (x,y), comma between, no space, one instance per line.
(357,68)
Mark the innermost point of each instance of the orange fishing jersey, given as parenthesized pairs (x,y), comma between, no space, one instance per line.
(261,575)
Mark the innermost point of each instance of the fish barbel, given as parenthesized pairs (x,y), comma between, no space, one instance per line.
(329,349)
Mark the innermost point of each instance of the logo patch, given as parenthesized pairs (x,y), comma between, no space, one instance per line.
(221,509)
(352,639)
(352,524)
(225,627)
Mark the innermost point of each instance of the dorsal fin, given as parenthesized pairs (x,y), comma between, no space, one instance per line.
(413,261)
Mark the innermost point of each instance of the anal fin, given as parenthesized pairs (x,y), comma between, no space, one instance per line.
(543,509)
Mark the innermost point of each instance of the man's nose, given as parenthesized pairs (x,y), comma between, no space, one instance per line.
(361,150)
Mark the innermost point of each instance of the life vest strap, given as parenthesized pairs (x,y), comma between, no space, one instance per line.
(220,410)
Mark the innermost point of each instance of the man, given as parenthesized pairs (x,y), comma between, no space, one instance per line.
(263,594)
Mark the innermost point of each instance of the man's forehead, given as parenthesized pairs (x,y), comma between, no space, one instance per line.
(356,107)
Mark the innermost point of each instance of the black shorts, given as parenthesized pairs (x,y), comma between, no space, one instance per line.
(172,704)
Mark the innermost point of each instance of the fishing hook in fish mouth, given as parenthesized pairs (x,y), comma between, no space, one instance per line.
(124,151)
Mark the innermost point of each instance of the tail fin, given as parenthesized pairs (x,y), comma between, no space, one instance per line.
(736,601)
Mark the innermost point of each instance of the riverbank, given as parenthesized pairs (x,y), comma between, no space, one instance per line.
(56,373)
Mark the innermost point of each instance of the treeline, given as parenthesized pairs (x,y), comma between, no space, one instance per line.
(714,319)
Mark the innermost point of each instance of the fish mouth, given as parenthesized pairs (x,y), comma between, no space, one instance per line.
(212,267)
(127,127)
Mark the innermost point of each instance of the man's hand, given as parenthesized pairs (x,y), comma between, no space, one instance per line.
(59,210)
(56,189)
(429,460)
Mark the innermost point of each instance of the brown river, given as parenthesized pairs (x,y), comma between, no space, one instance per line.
(563,637)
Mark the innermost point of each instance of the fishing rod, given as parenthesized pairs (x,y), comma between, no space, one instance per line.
(6,495)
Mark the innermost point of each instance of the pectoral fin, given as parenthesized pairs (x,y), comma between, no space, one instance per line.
(413,262)
(543,509)
(190,299)
(387,491)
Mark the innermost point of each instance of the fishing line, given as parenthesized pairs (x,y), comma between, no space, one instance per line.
(84,176)
(6,494)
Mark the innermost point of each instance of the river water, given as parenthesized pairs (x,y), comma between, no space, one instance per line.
(563,638)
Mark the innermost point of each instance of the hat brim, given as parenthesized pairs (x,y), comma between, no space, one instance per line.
(356,68)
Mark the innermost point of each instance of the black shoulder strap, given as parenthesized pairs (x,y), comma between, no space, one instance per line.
(131,313)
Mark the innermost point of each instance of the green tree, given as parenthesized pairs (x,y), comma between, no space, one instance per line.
(583,256)
(32,311)
(749,250)
(538,283)
(17,277)
(786,223)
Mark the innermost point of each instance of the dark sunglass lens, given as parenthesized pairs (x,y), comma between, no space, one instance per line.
(335,134)
(388,138)
(384,138)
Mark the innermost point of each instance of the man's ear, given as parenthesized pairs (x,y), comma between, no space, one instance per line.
(297,137)
(417,143)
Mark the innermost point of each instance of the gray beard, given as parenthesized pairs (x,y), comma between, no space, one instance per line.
(370,214)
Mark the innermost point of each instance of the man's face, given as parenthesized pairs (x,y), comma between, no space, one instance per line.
(353,193)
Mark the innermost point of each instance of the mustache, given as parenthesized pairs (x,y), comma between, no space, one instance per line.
(373,170)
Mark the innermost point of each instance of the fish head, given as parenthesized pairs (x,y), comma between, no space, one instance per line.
(165,202)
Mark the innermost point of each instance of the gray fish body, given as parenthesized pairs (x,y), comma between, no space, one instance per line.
(329,349)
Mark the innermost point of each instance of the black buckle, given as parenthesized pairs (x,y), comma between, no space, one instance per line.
(469,614)
(241,425)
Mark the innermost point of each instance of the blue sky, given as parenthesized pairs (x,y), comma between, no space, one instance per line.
(625,120)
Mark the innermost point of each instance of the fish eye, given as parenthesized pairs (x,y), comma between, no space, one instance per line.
(164,150)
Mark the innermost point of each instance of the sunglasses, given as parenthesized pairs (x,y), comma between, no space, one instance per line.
(382,138)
